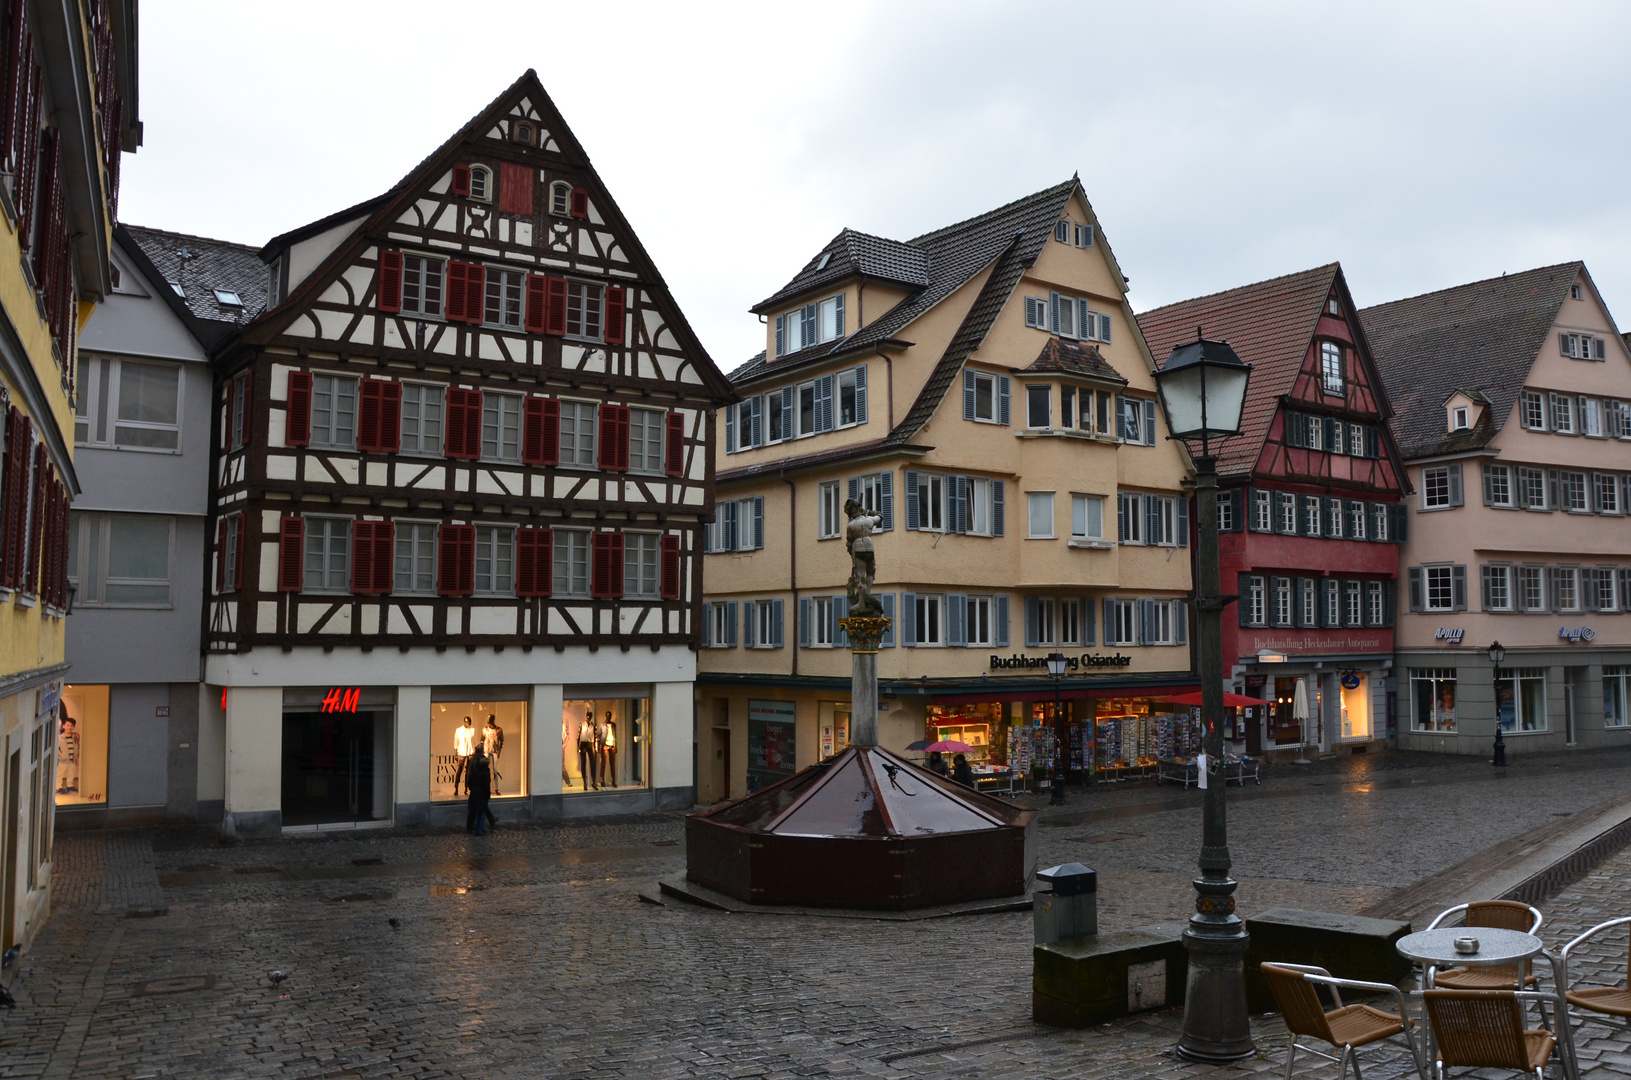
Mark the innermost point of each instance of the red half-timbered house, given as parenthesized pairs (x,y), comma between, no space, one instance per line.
(1310,512)
(463,467)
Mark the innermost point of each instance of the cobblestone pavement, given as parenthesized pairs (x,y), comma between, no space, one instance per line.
(527,953)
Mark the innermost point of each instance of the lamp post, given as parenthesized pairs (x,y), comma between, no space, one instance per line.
(1203,391)
(1496,655)
(1056,668)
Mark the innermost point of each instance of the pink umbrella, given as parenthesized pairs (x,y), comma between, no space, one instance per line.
(950,746)
(1229,700)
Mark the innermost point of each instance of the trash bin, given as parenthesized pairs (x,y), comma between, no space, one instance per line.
(1065,904)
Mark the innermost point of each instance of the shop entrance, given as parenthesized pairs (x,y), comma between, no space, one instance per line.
(336,767)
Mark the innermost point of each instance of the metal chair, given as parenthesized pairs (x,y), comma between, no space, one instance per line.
(1484,1029)
(1348,1027)
(1607,1000)
(1496,914)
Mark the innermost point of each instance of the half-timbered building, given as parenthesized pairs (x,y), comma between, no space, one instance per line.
(1309,509)
(461,476)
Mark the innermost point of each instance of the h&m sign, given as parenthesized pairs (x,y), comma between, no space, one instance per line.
(342,700)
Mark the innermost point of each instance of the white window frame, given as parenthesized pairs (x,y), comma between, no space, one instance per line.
(1440,679)
(1129,517)
(572,562)
(647,432)
(1523,721)
(91,583)
(933,491)
(495,545)
(642,565)
(1039,504)
(1123,627)
(1285,512)
(1532,482)
(1497,581)
(829,510)
(1164,630)
(1532,412)
(979,506)
(1358,518)
(510,301)
(423,275)
(1070,621)
(481,183)
(423,407)
(842,380)
(100,380)
(1375,604)
(1284,602)
(1591,417)
(1529,588)
(825,317)
(719,624)
(1262,511)
(1256,600)
(1500,487)
(1046,621)
(1333,379)
(1460,418)
(1562,413)
(821,622)
(1436,577)
(1435,488)
(979,626)
(560,199)
(585,310)
(329,436)
(333,537)
(413,568)
(1575,491)
(1563,583)
(501,427)
(1036,393)
(989,382)
(1087,518)
(930,615)
(578,449)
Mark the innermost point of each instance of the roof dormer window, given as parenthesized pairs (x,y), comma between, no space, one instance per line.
(523,133)
(176,285)
(227,298)
(1460,418)
(826,257)
(810,325)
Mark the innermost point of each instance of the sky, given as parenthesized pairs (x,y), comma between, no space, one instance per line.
(1422,145)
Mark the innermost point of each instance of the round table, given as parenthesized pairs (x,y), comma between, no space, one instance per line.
(1495,946)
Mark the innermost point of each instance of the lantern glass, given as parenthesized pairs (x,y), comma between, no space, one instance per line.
(1056,664)
(1203,389)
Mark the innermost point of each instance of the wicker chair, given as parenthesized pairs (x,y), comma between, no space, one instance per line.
(1500,915)
(1484,1029)
(1347,1027)
(1608,1000)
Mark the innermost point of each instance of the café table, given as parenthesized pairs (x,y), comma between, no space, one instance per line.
(1435,949)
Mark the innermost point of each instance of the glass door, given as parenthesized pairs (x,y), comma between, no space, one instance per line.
(336,767)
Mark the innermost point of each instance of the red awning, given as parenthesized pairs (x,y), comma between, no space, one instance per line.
(1044,694)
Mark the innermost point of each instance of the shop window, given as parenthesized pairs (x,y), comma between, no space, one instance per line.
(1285,728)
(457,728)
(1354,706)
(1616,695)
(1520,699)
(1432,696)
(834,726)
(771,742)
(82,746)
(980,726)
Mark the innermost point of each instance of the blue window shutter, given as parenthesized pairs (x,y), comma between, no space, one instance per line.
(787,412)
(886,500)
(908,619)
(777,614)
(1053,313)
(1104,329)
(1183,519)
(1088,636)
(807,321)
(804,621)
(1001,619)
(1121,517)
(730,429)
(1121,417)
(968,394)
(956,617)
(860,389)
(1110,623)
(758,410)
(1152,518)
(780,338)
(1033,608)
(838,303)
(1390,600)
(1002,400)
(1085,321)
(728,533)
(747,624)
(912,522)
(854,487)
(708,533)
(840,612)
(823,393)
(730,623)
(961,523)
(1180,622)
(888,639)
(1149,422)
(1146,621)
(996,507)
(759,523)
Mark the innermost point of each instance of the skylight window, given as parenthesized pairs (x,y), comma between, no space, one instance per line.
(227,298)
(176,285)
(825,257)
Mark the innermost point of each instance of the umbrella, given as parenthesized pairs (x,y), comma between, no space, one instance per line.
(921,744)
(1299,701)
(1229,700)
(949,746)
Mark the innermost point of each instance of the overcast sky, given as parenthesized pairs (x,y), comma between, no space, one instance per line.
(1423,145)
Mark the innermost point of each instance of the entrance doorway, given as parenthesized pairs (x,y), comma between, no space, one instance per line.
(719,767)
(336,767)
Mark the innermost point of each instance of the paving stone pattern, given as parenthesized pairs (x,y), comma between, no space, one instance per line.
(526,953)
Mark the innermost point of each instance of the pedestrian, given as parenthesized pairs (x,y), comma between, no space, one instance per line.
(478,786)
(937,763)
(960,771)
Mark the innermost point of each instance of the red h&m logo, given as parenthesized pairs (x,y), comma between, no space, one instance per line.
(339,700)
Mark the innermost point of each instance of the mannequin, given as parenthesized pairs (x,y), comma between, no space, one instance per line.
(608,744)
(67,755)
(587,758)
(492,744)
(464,744)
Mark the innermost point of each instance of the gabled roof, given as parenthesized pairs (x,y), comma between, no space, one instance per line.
(953,255)
(1483,336)
(1270,325)
(1062,357)
(200,266)
(851,253)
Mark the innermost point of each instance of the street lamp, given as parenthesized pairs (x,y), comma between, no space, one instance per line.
(1056,668)
(1203,391)
(1496,655)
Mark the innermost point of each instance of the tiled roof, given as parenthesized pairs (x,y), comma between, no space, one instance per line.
(1060,356)
(1482,336)
(201,266)
(852,252)
(1269,325)
(954,254)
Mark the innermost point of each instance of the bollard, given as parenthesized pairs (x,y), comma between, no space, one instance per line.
(1066,904)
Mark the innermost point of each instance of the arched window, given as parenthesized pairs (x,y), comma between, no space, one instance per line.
(481,183)
(522,133)
(560,199)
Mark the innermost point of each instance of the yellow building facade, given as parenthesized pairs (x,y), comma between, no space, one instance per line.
(69,113)
(985,389)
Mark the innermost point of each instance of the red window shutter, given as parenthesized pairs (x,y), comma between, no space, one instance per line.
(456,570)
(534,562)
(291,554)
(580,202)
(606,569)
(671,568)
(614,314)
(674,448)
(458,278)
(555,319)
(220,554)
(537,302)
(462,439)
(12,493)
(541,431)
(614,437)
(384,557)
(368,414)
(475,293)
(227,390)
(390,416)
(238,555)
(362,556)
(297,421)
(515,186)
(461,180)
(390,281)
(36,529)
(625,416)
(248,411)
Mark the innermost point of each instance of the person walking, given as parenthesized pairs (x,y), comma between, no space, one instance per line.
(961,772)
(478,786)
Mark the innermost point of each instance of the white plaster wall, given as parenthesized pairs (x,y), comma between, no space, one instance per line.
(545,749)
(671,734)
(212,744)
(412,744)
(254,749)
